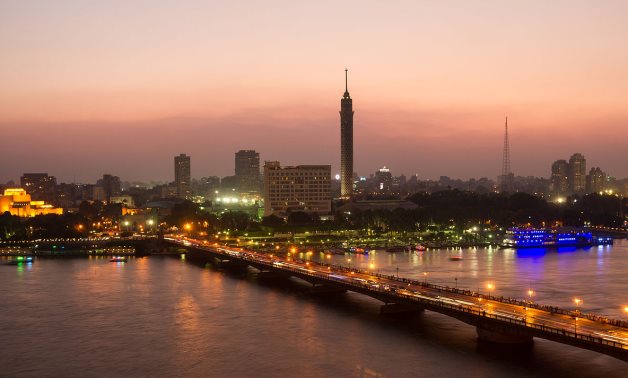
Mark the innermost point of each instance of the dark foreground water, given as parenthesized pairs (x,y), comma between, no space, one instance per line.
(162,317)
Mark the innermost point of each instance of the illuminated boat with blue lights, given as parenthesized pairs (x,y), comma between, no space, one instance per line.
(552,238)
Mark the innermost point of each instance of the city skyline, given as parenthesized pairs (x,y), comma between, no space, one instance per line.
(427,105)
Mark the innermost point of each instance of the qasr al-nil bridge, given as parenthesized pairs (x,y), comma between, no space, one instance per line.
(496,319)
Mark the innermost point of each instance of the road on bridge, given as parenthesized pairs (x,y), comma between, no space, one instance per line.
(530,315)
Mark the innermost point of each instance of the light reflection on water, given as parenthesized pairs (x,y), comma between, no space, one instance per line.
(167,317)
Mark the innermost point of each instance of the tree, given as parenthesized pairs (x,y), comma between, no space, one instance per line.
(272,221)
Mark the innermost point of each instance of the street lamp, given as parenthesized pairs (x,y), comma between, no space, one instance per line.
(425,277)
(577,301)
(530,294)
(490,286)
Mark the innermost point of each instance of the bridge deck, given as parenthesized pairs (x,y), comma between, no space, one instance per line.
(587,331)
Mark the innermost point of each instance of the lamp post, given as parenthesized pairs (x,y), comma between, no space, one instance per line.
(490,287)
(577,301)
(530,294)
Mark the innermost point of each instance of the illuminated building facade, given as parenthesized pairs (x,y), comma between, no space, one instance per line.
(182,177)
(247,171)
(346,143)
(17,202)
(305,188)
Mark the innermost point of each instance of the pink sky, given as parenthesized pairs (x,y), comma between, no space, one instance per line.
(120,87)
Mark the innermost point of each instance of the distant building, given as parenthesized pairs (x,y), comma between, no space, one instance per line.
(40,186)
(247,171)
(124,200)
(111,186)
(383,180)
(17,202)
(577,173)
(182,176)
(596,180)
(98,193)
(305,188)
(560,177)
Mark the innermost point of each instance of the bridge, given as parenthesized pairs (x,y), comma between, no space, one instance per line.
(496,319)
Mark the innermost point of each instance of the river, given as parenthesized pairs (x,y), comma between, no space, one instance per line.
(164,316)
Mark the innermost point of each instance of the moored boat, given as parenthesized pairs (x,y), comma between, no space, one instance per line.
(550,238)
(19,260)
(118,259)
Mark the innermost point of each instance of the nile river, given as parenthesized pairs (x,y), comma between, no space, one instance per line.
(163,317)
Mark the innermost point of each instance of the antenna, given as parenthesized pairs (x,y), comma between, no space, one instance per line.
(346,80)
(506,178)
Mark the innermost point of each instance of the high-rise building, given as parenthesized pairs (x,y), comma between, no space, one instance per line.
(40,186)
(305,188)
(346,142)
(596,180)
(383,180)
(577,173)
(247,171)
(111,186)
(560,177)
(182,176)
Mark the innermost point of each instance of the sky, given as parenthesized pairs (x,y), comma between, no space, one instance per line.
(121,87)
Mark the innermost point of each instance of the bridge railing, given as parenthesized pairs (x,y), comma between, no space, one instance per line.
(422,300)
(518,302)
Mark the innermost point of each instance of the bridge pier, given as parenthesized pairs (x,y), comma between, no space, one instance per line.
(326,289)
(501,337)
(399,308)
(231,265)
(271,275)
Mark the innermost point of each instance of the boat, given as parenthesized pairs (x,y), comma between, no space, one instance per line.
(549,238)
(118,259)
(455,258)
(19,260)
(420,247)
(359,250)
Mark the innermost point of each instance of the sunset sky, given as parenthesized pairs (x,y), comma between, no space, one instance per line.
(91,87)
